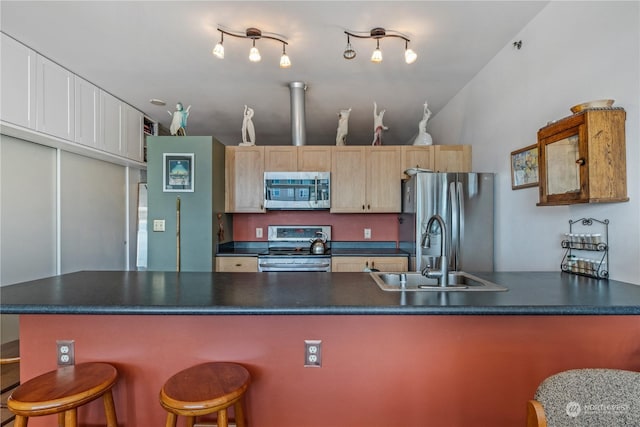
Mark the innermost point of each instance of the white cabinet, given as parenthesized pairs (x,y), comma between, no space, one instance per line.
(111,124)
(18,82)
(132,133)
(87,113)
(55,99)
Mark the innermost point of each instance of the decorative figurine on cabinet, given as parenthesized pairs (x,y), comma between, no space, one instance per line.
(378,127)
(248,131)
(179,122)
(423,137)
(343,127)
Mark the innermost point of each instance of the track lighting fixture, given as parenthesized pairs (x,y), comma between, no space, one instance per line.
(379,33)
(254,54)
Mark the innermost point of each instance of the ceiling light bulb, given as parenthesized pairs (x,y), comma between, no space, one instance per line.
(410,56)
(349,53)
(218,51)
(254,55)
(377,55)
(285,62)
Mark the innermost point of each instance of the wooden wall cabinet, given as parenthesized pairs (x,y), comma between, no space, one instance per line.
(438,158)
(244,179)
(308,158)
(365,179)
(344,264)
(582,159)
(314,158)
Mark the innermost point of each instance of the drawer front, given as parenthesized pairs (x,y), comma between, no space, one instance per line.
(237,264)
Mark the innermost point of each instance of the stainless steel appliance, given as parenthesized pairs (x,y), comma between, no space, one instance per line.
(465,202)
(297,190)
(290,249)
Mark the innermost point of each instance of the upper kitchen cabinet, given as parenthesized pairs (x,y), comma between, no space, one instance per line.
(244,179)
(18,82)
(314,158)
(55,99)
(111,124)
(417,156)
(452,158)
(365,179)
(283,158)
(132,133)
(280,158)
(582,159)
(87,113)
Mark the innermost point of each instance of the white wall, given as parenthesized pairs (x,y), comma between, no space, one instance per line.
(571,52)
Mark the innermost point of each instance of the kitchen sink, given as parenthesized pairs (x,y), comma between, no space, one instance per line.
(414,281)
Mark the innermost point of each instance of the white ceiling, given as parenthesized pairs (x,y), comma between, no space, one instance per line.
(138,50)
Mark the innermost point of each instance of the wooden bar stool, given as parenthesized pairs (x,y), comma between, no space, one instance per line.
(62,391)
(206,389)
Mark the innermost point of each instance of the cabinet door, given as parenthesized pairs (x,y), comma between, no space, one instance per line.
(87,113)
(280,158)
(237,264)
(111,124)
(416,156)
(346,264)
(383,183)
(391,263)
(452,158)
(132,133)
(18,82)
(348,179)
(55,99)
(314,158)
(244,179)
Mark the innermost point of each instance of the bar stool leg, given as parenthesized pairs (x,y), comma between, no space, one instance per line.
(237,408)
(20,421)
(223,420)
(110,409)
(191,421)
(71,418)
(60,419)
(171,419)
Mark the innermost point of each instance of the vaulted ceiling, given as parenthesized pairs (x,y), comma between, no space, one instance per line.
(139,50)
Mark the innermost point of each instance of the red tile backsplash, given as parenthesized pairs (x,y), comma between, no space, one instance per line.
(344,227)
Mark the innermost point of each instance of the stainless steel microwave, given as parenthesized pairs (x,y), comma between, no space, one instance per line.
(297,190)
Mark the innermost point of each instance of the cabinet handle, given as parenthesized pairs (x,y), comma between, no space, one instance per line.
(362,207)
(580,161)
(368,207)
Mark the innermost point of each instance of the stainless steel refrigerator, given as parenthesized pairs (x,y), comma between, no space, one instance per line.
(465,203)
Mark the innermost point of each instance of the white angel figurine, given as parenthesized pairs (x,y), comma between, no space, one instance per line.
(179,122)
(248,131)
(343,127)
(423,137)
(378,127)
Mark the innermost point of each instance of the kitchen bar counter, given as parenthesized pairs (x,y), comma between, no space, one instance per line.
(117,292)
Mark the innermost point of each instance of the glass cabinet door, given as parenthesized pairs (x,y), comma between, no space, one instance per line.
(563,166)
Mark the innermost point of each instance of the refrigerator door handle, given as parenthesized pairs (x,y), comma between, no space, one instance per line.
(455,231)
(461,221)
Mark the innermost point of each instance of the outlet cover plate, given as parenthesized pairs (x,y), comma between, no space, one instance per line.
(312,353)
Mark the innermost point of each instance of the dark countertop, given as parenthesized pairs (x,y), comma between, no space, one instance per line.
(368,249)
(121,292)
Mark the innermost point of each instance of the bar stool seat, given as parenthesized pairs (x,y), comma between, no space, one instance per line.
(206,389)
(62,391)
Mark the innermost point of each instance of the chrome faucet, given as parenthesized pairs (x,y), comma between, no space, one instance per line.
(443,272)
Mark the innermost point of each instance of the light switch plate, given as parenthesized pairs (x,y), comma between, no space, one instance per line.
(158,225)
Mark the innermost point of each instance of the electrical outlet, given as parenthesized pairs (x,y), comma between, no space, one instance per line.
(312,353)
(66,353)
(258,233)
(367,233)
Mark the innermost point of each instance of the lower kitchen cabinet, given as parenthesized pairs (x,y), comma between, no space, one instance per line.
(237,264)
(344,264)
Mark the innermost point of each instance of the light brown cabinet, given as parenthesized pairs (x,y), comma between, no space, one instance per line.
(280,158)
(244,179)
(365,179)
(438,158)
(239,264)
(314,158)
(343,264)
(582,159)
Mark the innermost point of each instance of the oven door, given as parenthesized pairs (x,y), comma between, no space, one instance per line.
(294,263)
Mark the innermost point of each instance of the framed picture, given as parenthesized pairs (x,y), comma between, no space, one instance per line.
(178,172)
(524,167)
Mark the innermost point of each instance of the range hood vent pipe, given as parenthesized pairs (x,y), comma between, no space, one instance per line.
(298,128)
